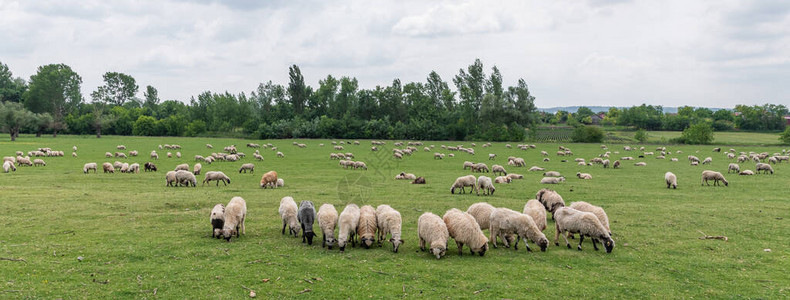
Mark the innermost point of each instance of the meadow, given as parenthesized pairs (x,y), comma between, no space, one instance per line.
(66,234)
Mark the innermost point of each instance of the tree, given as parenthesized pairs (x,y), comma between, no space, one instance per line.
(587,134)
(100,119)
(640,135)
(55,89)
(470,85)
(14,116)
(700,133)
(297,89)
(785,136)
(117,89)
(151,96)
(11,89)
(40,123)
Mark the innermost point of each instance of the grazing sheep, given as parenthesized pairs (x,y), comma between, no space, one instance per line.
(498,169)
(485,183)
(640,164)
(360,165)
(170,177)
(536,168)
(746,172)
(514,176)
(468,164)
(124,168)
(184,167)
(247,167)
(217,219)
(154,155)
(764,167)
(389,222)
(169,155)
(196,170)
(480,167)
(306,217)
(464,229)
(419,180)
(280,183)
(491,156)
(504,220)
(502,179)
(268,178)
(734,167)
(133,168)
(149,166)
(713,175)
(185,178)
(585,224)
(405,176)
(215,176)
(280,154)
(235,215)
(707,160)
(552,180)
(366,229)
(605,163)
(550,199)
(671,179)
(8,166)
(481,212)
(349,219)
(462,182)
(90,166)
(616,164)
(552,174)
(39,162)
(397,155)
(583,175)
(327,220)
(433,231)
(535,209)
(287,212)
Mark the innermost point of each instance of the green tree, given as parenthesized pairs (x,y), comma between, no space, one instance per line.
(100,119)
(11,89)
(640,135)
(145,125)
(297,89)
(785,136)
(14,116)
(117,89)
(700,133)
(587,134)
(151,96)
(55,89)
(40,123)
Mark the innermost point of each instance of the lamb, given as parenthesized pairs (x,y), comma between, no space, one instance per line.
(513,176)
(349,219)
(39,162)
(550,199)
(196,170)
(713,175)
(90,166)
(733,167)
(235,215)
(433,232)
(268,178)
(247,167)
(585,224)
(327,220)
(8,165)
(485,183)
(419,180)
(170,177)
(217,176)
(498,169)
(462,182)
(746,172)
(366,230)
(504,220)
(280,183)
(149,166)
(502,179)
(287,212)
(185,178)
(552,180)
(184,167)
(389,221)
(552,174)
(535,209)
(595,210)
(671,179)
(306,217)
(583,175)
(464,229)
(217,219)
(764,167)
(408,176)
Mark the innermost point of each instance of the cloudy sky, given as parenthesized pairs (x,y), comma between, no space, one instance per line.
(596,52)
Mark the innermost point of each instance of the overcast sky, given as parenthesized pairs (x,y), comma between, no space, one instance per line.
(597,52)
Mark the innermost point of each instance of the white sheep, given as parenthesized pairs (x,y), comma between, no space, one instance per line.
(481,211)
(502,179)
(764,167)
(8,166)
(550,199)
(552,174)
(287,212)
(280,154)
(746,172)
(366,229)
(715,176)
(389,222)
(640,164)
(504,220)
(433,231)
(217,219)
(514,176)
(405,176)
(468,164)
(197,168)
(733,167)
(552,180)
(327,220)
(462,182)
(463,228)
(247,167)
(349,220)
(583,175)
(671,180)
(185,178)
(215,176)
(498,169)
(585,224)
(235,215)
(170,177)
(484,183)
(598,211)
(133,168)
(535,209)
(184,167)
(90,166)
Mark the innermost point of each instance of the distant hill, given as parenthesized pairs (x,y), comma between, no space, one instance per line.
(573,109)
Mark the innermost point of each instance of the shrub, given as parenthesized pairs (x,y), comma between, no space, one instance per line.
(700,133)
(587,134)
(145,125)
(640,135)
(785,136)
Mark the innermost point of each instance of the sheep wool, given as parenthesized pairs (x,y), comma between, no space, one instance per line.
(504,220)
(671,180)
(217,219)
(550,199)
(462,182)
(287,212)
(235,215)
(596,210)
(306,216)
(327,221)
(170,177)
(433,232)
(89,166)
(484,183)
(462,227)
(186,178)
(535,209)
(389,222)
(366,230)
(349,219)
(585,224)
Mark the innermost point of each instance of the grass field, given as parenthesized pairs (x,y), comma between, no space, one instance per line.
(140,239)
(719,138)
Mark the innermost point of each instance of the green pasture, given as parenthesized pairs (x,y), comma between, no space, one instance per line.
(719,137)
(70,235)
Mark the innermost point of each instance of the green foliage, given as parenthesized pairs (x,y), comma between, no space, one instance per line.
(55,89)
(146,126)
(117,89)
(640,135)
(723,125)
(765,117)
(13,116)
(700,133)
(11,89)
(587,134)
(785,136)
(196,127)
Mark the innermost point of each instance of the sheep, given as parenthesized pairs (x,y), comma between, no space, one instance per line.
(536,168)
(481,212)
(247,167)
(121,155)
(519,162)
(133,153)
(707,160)
(535,209)
(746,172)
(552,174)
(550,199)
(715,176)
(616,164)
(280,183)
(287,212)
(217,219)
(327,220)
(196,170)
(184,167)
(170,177)
(268,178)
(8,165)
(389,221)
(235,215)
(734,167)
(640,164)
(764,167)
(583,175)
(154,155)
(169,155)
(433,231)
(366,229)
(504,220)
(23,161)
(419,180)
(498,169)
(217,176)
(462,182)
(406,176)
(485,183)
(397,155)
(149,166)
(552,180)
(349,219)
(185,178)
(120,147)
(9,158)
(671,180)
(306,216)
(280,154)
(502,179)
(360,165)
(491,156)
(463,228)
(39,162)
(124,168)
(585,224)
(133,168)
(480,167)
(89,166)
(468,164)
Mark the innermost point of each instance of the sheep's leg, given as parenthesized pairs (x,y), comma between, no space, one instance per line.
(243,227)
(304,240)
(526,244)
(594,245)
(556,235)
(566,242)
(422,244)
(224,182)
(493,232)
(504,239)
(283,226)
(323,243)
(460,247)
(581,238)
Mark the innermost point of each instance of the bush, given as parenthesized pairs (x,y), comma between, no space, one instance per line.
(145,125)
(785,136)
(196,127)
(700,133)
(587,134)
(640,135)
(723,125)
